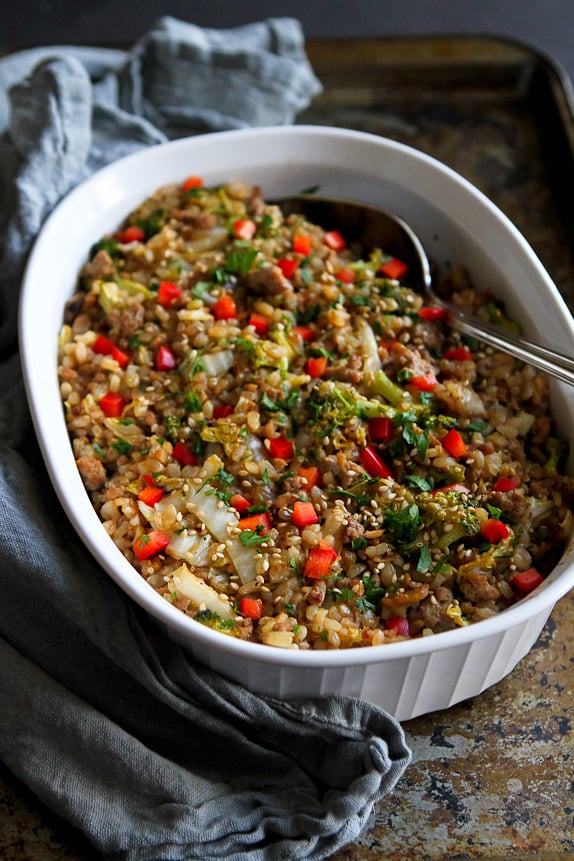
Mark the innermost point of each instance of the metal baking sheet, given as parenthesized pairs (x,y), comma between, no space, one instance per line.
(491,778)
(495,111)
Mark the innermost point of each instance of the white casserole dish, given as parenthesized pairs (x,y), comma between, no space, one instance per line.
(456,223)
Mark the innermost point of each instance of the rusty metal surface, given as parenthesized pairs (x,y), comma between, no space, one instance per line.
(493,777)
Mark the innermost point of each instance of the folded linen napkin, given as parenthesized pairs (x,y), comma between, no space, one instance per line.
(110,723)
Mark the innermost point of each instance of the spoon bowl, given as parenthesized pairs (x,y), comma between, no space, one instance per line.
(373,227)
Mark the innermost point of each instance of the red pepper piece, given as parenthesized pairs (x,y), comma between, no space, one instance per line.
(259,322)
(347,276)
(192,182)
(151,494)
(504,484)
(261,522)
(224,308)
(183,455)
(316,366)
(302,243)
(132,233)
(251,608)
(112,405)
(287,267)
(244,228)
(306,333)
(459,354)
(165,359)
(104,347)
(454,488)
(454,443)
(281,447)
(334,240)
(494,530)
(432,312)
(319,562)
(239,503)
(168,293)
(394,268)
(400,625)
(311,475)
(221,411)
(373,463)
(380,428)
(424,382)
(150,544)
(304,514)
(526,581)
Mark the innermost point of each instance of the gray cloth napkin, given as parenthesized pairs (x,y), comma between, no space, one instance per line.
(110,723)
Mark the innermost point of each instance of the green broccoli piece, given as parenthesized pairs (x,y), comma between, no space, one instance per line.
(331,406)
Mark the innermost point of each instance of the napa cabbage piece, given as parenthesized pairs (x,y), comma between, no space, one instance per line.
(190,547)
(221,521)
(115,294)
(217,363)
(370,349)
(183,581)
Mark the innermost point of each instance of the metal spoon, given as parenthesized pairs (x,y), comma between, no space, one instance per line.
(375,228)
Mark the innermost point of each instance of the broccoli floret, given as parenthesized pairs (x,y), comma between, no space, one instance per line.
(331,406)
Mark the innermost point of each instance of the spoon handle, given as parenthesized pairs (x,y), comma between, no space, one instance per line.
(541,357)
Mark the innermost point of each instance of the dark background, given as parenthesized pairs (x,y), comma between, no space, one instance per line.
(547,25)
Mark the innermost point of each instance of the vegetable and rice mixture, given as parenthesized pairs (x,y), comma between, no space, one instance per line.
(288,444)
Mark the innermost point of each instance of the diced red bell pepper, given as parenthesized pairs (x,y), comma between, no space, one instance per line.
(302,243)
(380,428)
(221,411)
(239,503)
(400,625)
(281,447)
(494,530)
(257,522)
(432,312)
(287,266)
(316,366)
(394,268)
(112,405)
(183,455)
(347,276)
(192,182)
(251,608)
(311,475)
(304,514)
(373,463)
(319,561)
(150,544)
(104,347)
(459,354)
(306,333)
(151,494)
(168,293)
(334,240)
(244,228)
(259,322)
(526,581)
(224,308)
(165,359)
(132,233)
(454,488)
(454,443)
(424,382)
(504,484)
